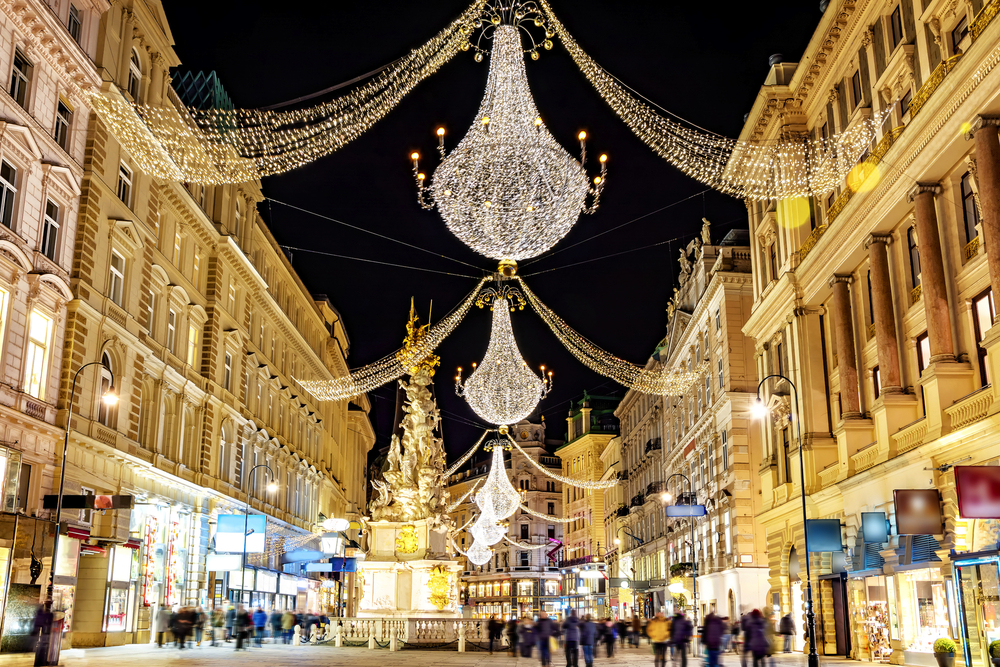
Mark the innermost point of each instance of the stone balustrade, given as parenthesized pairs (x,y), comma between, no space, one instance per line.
(378,632)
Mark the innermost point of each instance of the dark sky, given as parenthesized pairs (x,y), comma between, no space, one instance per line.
(704,61)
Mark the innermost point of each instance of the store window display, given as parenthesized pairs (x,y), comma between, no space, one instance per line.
(923,609)
(870,618)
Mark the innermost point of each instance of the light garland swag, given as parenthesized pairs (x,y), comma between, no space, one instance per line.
(466,456)
(525,545)
(548,517)
(658,383)
(452,507)
(393,366)
(579,483)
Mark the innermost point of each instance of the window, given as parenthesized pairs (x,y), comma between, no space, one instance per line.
(74,24)
(523,558)
(151,312)
(785,455)
(911,242)
(725,450)
(959,33)
(524,531)
(134,75)
(720,375)
(50,230)
(63,117)
(773,258)
(718,319)
(116,282)
(904,102)
(831,200)
(871,302)
(19,79)
(227,373)
(238,219)
(201,196)
(39,331)
(923,352)
(896,27)
(177,247)
(171,329)
(551,509)
(232,297)
(105,412)
(779,359)
(196,270)
(970,213)
(8,192)
(856,88)
(192,344)
(983,312)
(876,381)
(125,184)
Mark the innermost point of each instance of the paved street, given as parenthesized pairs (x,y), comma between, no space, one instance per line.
(307,656)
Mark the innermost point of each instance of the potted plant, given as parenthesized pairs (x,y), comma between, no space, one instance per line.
(995,652)
(944,652)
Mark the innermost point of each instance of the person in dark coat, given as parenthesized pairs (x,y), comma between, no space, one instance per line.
(544,630)
(494,628)
(713,633)
(230,621)
(756,638)
(275,622)
(526,636)
(680,635)
(609,636)
(241,626)
(588,637)
(511,630)
(786,627)
(621,627)
(571,638)
(259,623)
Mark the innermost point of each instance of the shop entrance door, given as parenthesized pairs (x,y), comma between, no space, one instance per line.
(979,590)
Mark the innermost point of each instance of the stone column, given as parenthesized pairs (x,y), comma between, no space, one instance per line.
(932,281)
(847,361)
(988,179)
(885,321)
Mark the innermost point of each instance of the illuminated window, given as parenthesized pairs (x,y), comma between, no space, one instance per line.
(171,329)
(125,184)
(116,281)
(106,413)
(192,347)
(983,312)
(196,271)
(134,75)
(177,248)
(227,375)
(74,24)
(39,332)
(970,214)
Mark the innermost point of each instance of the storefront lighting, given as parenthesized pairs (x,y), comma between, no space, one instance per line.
(336,525)
(590,574)
(676,588)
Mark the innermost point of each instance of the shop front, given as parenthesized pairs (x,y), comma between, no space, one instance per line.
(869,604)
(924,608)
(25,545)
(977,577)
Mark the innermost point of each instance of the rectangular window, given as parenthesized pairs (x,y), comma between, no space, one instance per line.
(904,102)
(192,344)
(196,270)
(914,249)
(923,352)
(825,131)
(721,386)
(19,79)
(725,451)
(779,360)
(551,509)
(718,319)
(785,454)
(171,329)
(959,33)
(876,381)
(523,558)
(39,331)
(227,374)
(177,247)
(524,531)
(125,184)
(773,257)
(151,312)
(232,297)
(983,312)
(116,282)
(63,116)
(50,230)
(856,88)
(8,192)
(970,214)
(74,24)
(831,200)
(896,27)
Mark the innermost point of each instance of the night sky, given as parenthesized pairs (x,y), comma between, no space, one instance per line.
(703,61)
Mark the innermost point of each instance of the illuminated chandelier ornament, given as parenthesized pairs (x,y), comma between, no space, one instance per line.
(502,389)
(479,554)
(498,497)
(508,190)
(486,530)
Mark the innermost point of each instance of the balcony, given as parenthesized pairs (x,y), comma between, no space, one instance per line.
(623,475)
(637,500)
(655,487)
(654,445)
(621,511)
(582,560)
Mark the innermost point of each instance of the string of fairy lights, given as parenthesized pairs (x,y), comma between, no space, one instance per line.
(466,456)
(579,483)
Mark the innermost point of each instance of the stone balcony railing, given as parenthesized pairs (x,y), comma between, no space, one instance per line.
(394,633)
(971,408)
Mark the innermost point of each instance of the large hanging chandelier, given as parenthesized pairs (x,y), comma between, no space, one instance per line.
(502,389)
(498,496)
(509,190)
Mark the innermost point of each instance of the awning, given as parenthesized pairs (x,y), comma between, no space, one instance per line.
(87,549)
(78,533)
(132,543)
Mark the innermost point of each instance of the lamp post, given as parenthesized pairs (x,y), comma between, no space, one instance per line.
(690,499)
(760,410)
(271,486)
(45,654)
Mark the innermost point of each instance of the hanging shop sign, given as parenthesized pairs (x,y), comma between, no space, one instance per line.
(149,562)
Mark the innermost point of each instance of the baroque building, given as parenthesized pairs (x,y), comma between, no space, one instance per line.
(878,304)
(194,316)
(699,442)
(522,579)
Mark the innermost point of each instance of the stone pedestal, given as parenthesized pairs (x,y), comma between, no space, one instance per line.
(944,382)
(399,572)
(892,412)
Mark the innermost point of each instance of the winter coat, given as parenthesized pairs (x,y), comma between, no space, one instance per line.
(571,629)
(756,637)
(714,629)
(525,633)
(680,630)
(511,629)
(494,627)
(259,618)
(230,617)
(544,629)
(218,618)
(287,620)
(610,633)
(588,633)
(163,620)
(786,626)
(658,630)
(636,625)
(275,620)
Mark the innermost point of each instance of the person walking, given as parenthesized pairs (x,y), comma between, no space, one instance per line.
(511,631)
(493,629)
(241,627)
(680,636)
(786,627)
(713,634)
(658,631)
(218,624)
(588,637)
(199,625)
(230,621)
(162,624)
(622,628)
(633,636)
(275,622)
(287,625)
(755,633)
(526,636)
(609,636)
(259,623)
(544,630)
(571,638)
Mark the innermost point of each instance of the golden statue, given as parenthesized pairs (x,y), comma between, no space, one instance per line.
(439,584)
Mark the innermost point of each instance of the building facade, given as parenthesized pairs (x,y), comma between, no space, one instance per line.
(877,303)
(522,579)
(47,58)
(182,303)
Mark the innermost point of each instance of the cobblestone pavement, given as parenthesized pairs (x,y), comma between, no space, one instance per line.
(329,655)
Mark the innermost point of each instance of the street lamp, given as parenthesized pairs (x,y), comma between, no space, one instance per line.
(44,650)
(271,487)
(760,410)
(691,499)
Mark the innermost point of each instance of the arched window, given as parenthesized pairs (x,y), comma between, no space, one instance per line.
(134,75)
(106,414)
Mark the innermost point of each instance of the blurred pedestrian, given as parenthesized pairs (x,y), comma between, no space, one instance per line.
(588,637)
(755,632)
(511,632)
(218,623)
(526,636)
(633,636)
(241,627)
(494,628)
(199,625)
(230,621)
(713,631)
(259,622)
(658,631)
(544,630)
(786,627)
(680,636)
(571,638)
(274,620)
(162,624)
(622,628)
(287,625)
(609,636)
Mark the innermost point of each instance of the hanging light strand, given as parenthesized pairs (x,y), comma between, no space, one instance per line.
(466,456)
(655,382)
(548,517)
(393,366)
(525,545)
(579,483)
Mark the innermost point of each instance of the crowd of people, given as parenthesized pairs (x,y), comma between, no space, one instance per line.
(190,626)
(752,637)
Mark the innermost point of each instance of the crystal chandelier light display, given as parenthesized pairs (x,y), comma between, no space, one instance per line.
(508,190)
(502,389)
(498,496)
